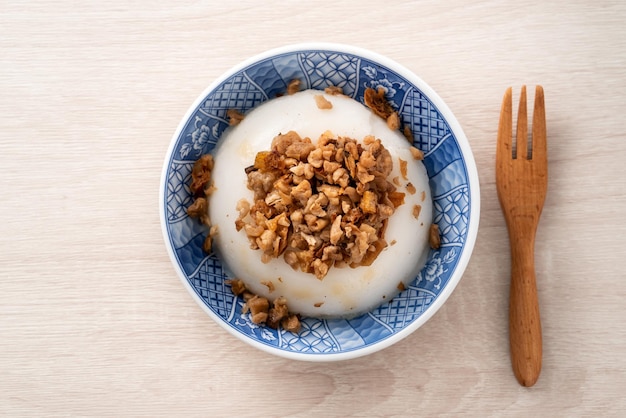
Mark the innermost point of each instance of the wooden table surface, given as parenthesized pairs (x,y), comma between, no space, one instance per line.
(94,320)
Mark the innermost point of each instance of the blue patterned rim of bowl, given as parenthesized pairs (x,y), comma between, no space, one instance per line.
(448,160)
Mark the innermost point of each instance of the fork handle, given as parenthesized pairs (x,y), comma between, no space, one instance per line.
(524,321)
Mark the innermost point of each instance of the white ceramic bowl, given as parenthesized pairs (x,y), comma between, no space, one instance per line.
(448,159)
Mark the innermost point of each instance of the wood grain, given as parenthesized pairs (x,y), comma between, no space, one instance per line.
(521,182)
(94,321)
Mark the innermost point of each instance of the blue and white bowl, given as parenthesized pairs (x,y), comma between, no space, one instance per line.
(448,160)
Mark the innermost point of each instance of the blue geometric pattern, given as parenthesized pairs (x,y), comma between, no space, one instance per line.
(426,123)
(208,282)
(323,70)
(263,80)
(314,337)
(452,215)
(404,308)
(235,93)
(178,196)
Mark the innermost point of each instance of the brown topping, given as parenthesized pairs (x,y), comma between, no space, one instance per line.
(269,284)
(410,188)
(401,287)
(208,244)
(368,202)
(336,233)
(434,239)
(416,211)
(378,103)
(209,190)
(208,241)
(376,100)
(278,312)
(234,117)
(260,311)
(322,102)
(318,304)
(199,210)
(320,205)
(393,121)
(403,168)
(393,242)
(201,187)
(396,198)
(408,134)
(258,308)
(291,323)
(417,154)
(333,90)
(243,207)
(267,161)
(423,195)
(236,286)
(372,252)
(201,174)
(293,87)
(259,318)
(396,180)
(292,146)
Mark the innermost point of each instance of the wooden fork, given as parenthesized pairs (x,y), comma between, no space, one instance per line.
(521,180)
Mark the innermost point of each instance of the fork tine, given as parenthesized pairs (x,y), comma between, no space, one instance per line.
(505,129)
(522,127)
(539,125)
